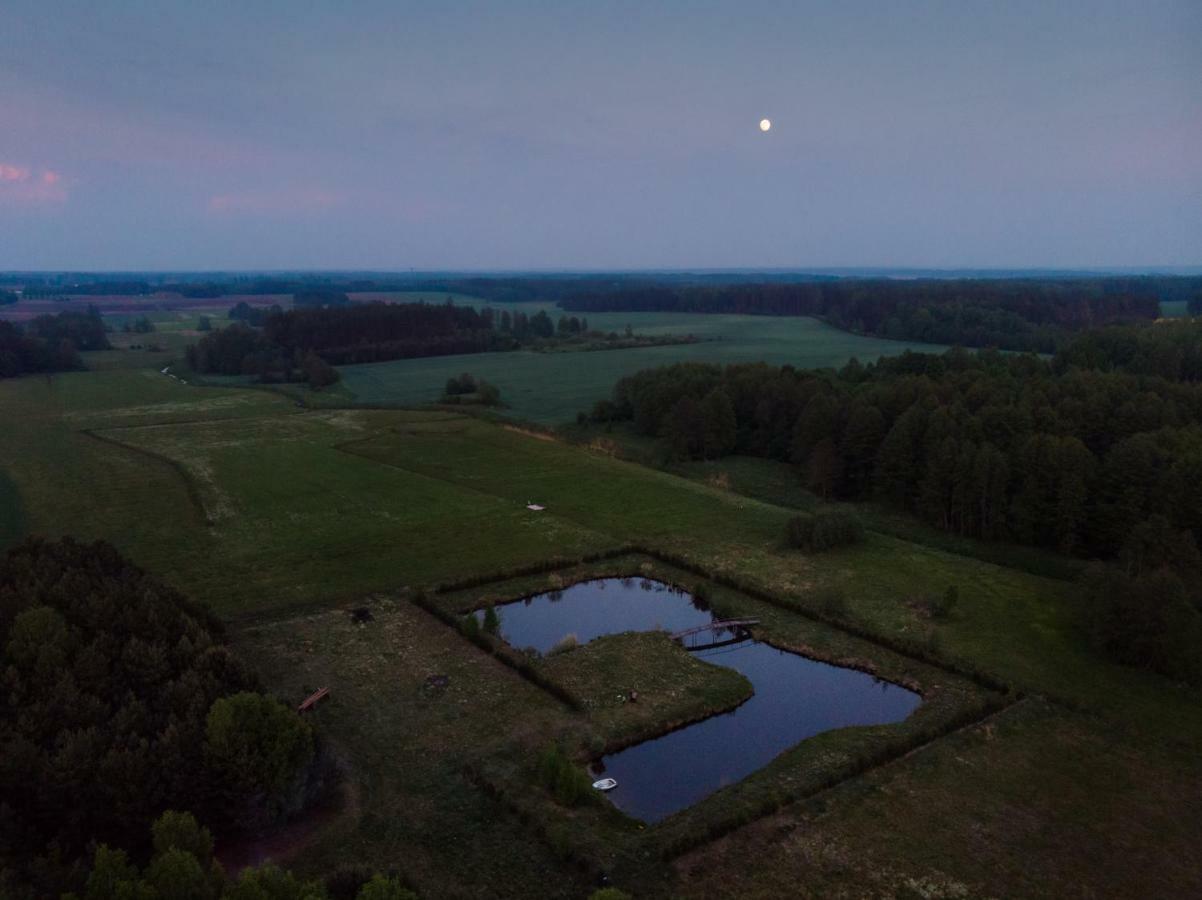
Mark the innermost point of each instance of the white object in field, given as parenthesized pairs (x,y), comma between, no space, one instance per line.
(605,784)
(535,507)
(765,124)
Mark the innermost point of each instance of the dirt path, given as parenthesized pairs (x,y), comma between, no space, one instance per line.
(287,843)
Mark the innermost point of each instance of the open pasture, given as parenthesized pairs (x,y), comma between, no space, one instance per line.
(552,387)
(281,518)
(410,742)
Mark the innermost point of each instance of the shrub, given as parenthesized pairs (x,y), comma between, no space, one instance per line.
(824,530)
(947,603)
(470,625)
(263,746)
(492,622)
(1146,621)
(464,384)
(832,603)
(569,784)
(568,642)
(383,888)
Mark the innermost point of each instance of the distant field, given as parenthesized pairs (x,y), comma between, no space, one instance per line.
(552,387)
(1174,309)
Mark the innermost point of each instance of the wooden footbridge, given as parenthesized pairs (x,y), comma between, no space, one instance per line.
(737,628)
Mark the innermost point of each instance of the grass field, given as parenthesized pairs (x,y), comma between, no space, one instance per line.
(489,721)
(282,517)
(552,387)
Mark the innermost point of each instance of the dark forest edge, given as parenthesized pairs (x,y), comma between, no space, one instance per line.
(1089,455)
(1039,311)
(1014,314)
(305,343)
(122,702)
(50,343)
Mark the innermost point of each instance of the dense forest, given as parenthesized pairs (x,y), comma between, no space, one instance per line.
(1100,463)
(292,345)
(120,700)
(50,343)
(1012,314)
(1172,350)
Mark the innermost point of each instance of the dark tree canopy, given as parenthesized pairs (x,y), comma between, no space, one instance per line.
(50,343)
(108,685)
(1014,314)
(986,445)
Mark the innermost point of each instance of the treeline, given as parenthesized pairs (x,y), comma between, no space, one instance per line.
(1013,314)
(986,445)
(372,332)
(50,343)
(292,345)
(1170,349)
(121,699)
(182,865)
(1095,464)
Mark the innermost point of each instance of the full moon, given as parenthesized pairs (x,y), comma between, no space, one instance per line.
(765,124)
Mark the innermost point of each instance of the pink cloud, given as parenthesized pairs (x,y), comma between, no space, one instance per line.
(269,202)
(18,185)
(13,173)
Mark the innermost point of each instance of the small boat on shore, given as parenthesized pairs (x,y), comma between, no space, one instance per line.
(605,784)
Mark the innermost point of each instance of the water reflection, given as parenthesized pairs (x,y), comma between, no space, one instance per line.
(795,697)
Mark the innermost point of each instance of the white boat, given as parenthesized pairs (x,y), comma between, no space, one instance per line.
(605,784)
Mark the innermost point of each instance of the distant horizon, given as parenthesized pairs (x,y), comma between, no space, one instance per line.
(837,271)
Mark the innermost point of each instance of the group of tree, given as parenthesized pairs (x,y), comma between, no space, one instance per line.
(466,388)
(7,297)
(119,699)
(1096,463)
(252,315)
(1171,349)
(140,325)
(50,343)
(294,345)
(319,297)
(1014,314)
(243,350)
(180,866)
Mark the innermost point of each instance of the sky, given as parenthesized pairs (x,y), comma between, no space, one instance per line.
(311,134)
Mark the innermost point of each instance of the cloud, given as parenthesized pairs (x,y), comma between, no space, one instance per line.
(24,185)
(13,173)
(274,202)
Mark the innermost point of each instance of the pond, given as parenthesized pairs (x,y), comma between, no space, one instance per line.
(795,697)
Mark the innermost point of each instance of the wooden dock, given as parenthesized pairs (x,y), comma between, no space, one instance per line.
(725,624)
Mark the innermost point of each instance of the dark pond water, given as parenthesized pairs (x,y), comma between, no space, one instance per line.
(795,697)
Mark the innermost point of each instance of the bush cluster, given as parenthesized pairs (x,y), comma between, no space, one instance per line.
(824,530)
(182,866)
(569,784)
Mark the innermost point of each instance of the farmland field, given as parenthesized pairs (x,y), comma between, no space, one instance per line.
(552,387)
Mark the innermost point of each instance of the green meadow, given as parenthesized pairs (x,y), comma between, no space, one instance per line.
(552,387)
(283,517)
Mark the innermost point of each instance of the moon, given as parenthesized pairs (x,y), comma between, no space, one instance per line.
(765,124)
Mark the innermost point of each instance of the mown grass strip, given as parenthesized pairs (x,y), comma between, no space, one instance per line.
(190,485)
